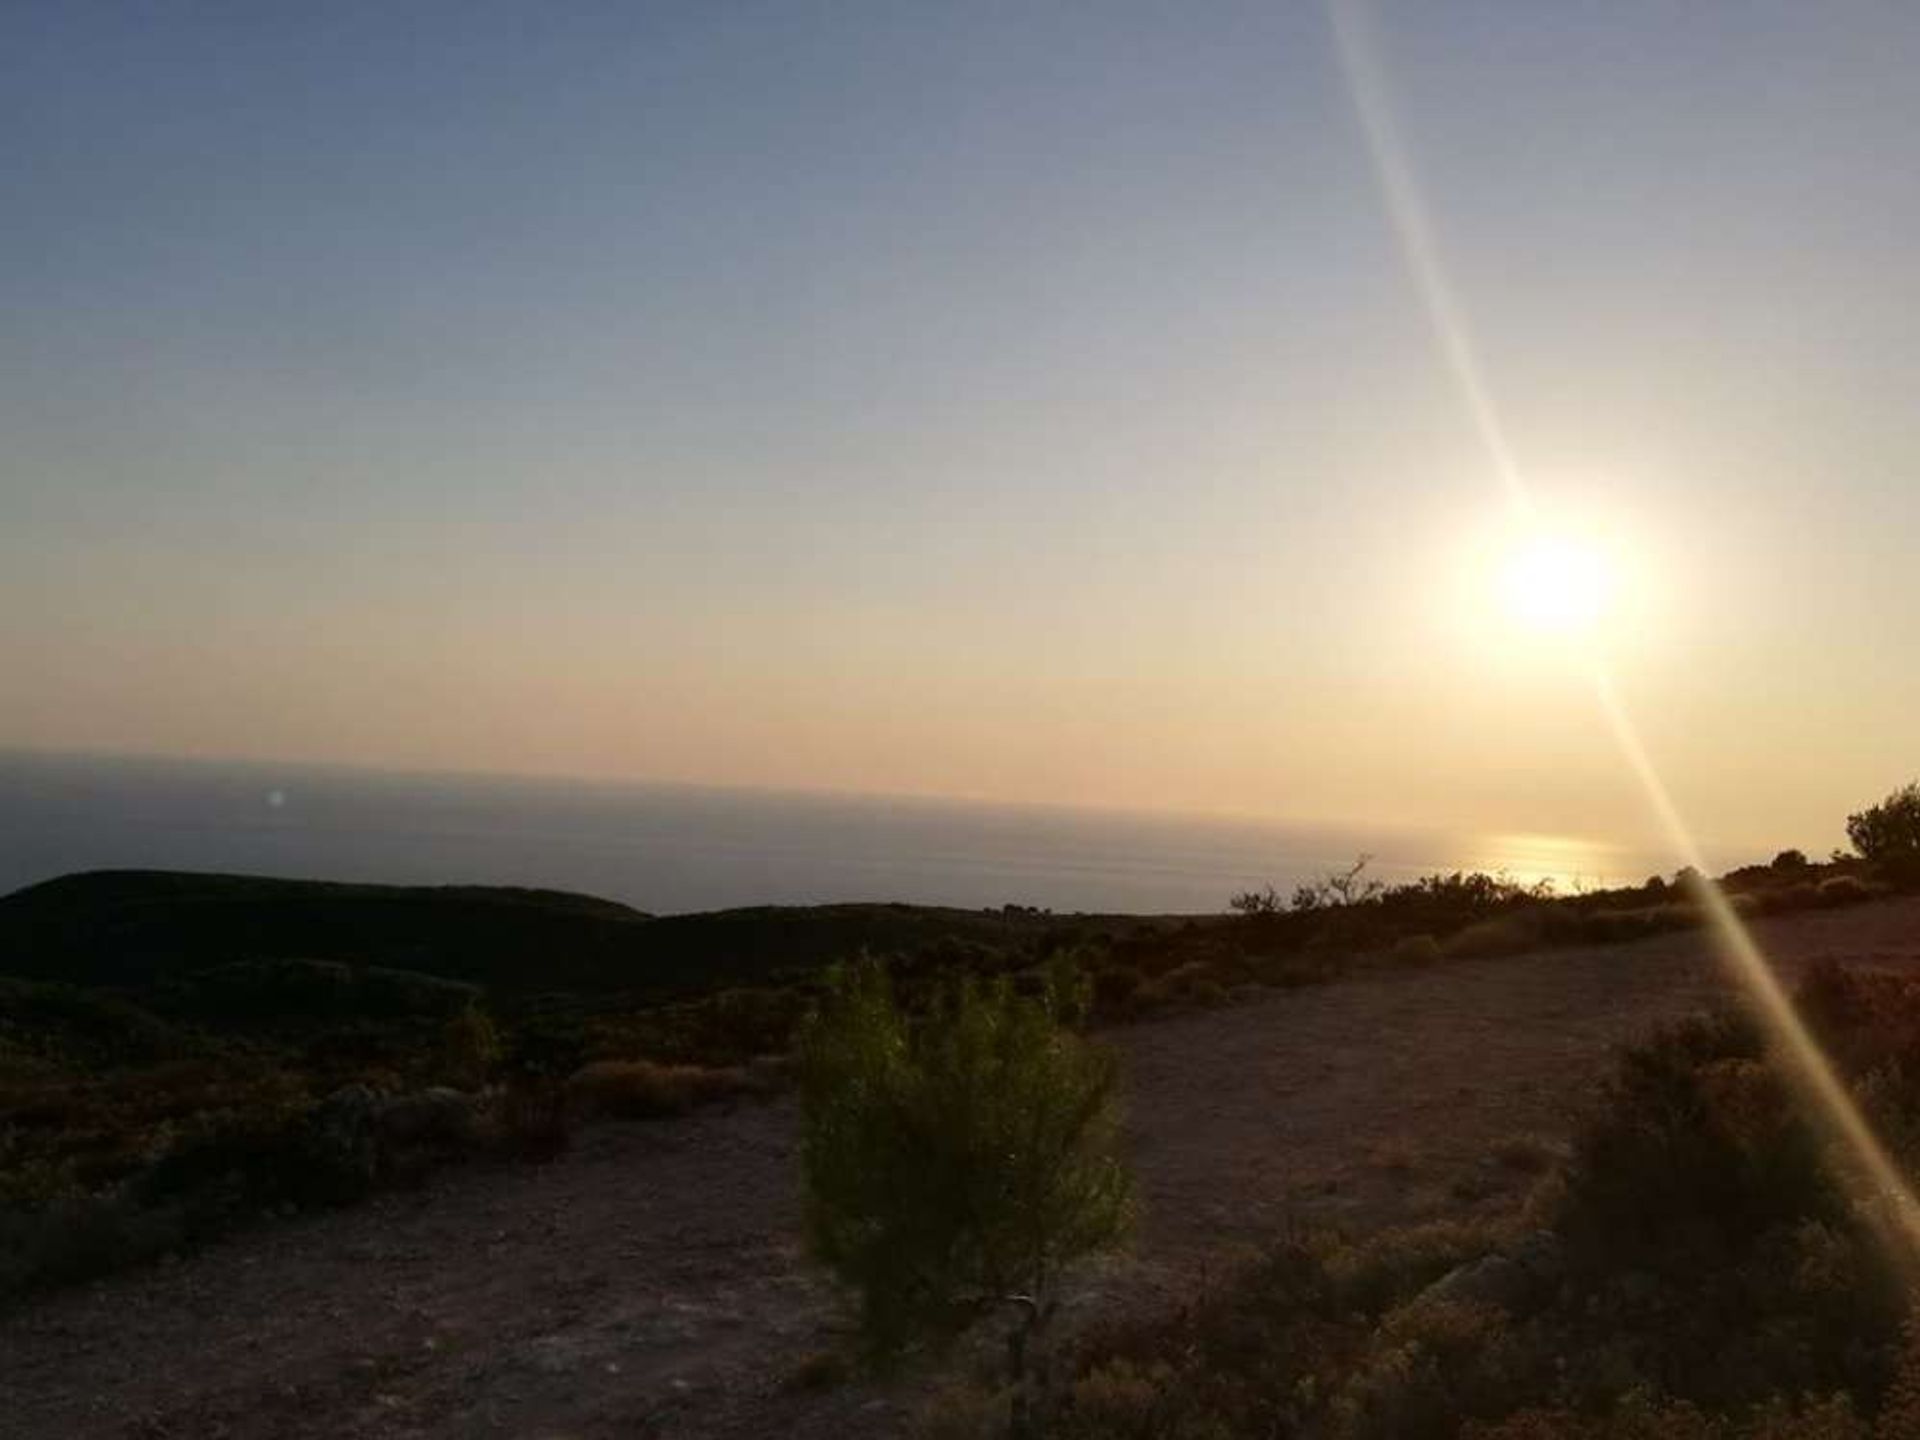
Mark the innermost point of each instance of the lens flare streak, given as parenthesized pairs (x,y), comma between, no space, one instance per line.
(1408,213)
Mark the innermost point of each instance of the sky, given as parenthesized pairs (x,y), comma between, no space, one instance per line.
(1021,402)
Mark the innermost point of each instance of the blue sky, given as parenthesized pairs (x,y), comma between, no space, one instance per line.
(1018,401)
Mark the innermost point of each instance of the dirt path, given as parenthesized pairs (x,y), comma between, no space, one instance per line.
(651,1283)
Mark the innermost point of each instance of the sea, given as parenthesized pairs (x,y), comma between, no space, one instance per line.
(676,848)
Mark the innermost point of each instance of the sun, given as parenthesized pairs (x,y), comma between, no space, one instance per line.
(1557,585)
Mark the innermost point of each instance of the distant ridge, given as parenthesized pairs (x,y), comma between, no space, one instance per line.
(134,928)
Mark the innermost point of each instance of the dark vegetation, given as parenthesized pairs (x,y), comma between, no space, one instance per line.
(1888,834)
(180,1053)
(1699,1268)
(958,1159)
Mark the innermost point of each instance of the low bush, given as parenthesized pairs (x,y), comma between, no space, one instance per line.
(1802,895)
(1507,935)
(1837,890)
(643,1090)
(1416,951)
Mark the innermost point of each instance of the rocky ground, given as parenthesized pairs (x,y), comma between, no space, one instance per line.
(651,1283)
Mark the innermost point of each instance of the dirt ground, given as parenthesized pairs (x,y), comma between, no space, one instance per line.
(651,1282)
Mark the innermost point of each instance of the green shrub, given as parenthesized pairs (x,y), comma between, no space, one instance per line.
(956,1160)
(1693,1151)
(1888,834)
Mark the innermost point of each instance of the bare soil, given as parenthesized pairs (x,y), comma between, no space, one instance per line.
(651,1282)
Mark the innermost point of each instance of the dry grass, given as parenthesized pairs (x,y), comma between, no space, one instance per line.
(644,1090)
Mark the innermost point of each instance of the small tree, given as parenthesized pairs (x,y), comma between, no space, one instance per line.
(1888,834)
(956,1161)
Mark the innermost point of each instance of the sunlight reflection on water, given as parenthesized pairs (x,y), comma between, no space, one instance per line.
(1572,863)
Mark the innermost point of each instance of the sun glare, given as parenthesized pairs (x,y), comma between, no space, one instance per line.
(1557,585)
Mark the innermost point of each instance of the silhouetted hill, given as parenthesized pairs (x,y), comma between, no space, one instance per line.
(136,928)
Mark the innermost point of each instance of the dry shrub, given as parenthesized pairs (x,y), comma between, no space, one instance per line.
(1802,895)
(1416,951)
(1639,1418)
(531,1121)
(962,1409)
(1618,927)
(1838,890)
(1395,1154)
(1118,1399)
(1503,935)
(1430,1365)
(1900,1412)
(1385,1269)
(1115,991)
(644,1090)
(1194,983)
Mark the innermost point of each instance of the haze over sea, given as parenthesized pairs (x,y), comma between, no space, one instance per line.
(675,848)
